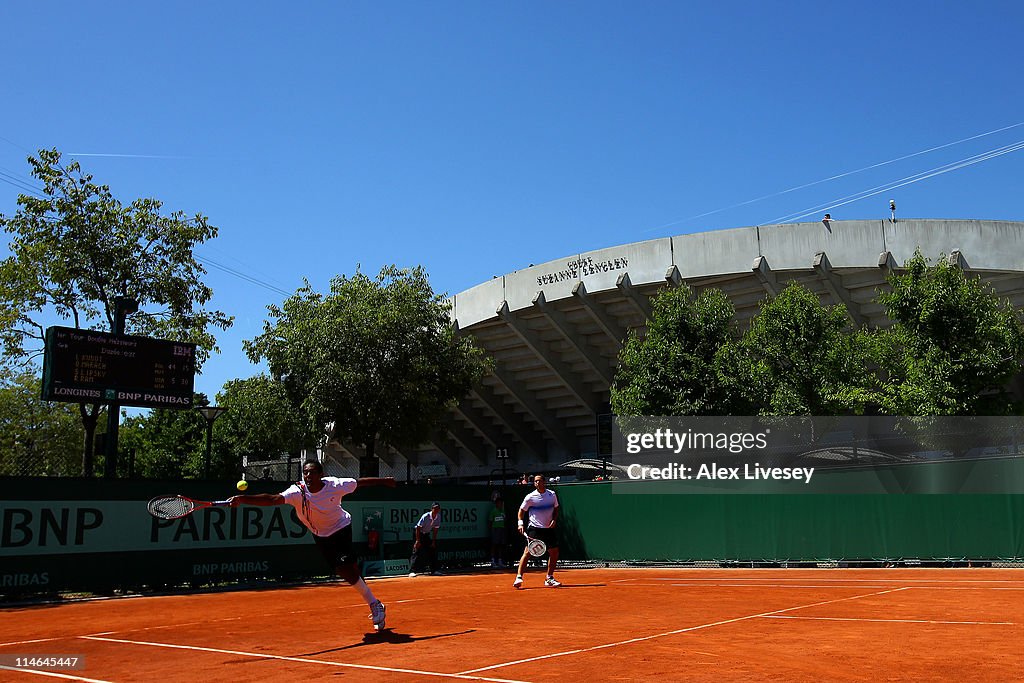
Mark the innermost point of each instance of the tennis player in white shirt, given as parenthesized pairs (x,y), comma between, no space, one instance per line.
(537,517)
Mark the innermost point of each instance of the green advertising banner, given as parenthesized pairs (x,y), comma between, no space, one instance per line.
(101,526)
(80,535)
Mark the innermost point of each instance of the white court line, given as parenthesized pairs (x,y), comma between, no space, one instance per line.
(37,640)
(52,674)
(754,585)
(875,579)
(767,585)
(677,631)
(304,660)
(209,622)
(964,588)
(898,621)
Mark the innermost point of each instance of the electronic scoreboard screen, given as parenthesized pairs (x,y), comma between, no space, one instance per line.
(86,366)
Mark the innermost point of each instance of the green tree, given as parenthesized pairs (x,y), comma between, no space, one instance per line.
(37,438)
(168,444)
(953,347)
(261,423)
(374,360)
(76,248)
(801,358)
(674,368)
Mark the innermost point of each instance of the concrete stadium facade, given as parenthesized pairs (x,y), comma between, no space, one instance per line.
(555,329)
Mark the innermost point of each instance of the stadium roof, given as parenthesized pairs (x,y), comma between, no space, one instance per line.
(555,329)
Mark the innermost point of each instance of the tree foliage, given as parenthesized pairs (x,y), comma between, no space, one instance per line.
(37,438)
(76,247)
(953,346)
(796,358)
(952,350)
(801,358)
(674,368)
(168,444)
(261,422)
(375,359)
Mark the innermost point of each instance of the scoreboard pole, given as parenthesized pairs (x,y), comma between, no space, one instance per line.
(122,307)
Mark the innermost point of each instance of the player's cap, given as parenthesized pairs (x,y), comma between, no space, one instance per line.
(435,504)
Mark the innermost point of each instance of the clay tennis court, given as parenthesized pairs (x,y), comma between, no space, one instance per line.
(603,624)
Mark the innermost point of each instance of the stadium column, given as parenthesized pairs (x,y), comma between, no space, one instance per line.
(123,306)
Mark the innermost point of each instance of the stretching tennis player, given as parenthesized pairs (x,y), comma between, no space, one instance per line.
(541,506)
(317,500)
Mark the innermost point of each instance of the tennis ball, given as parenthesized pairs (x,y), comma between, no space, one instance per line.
(242,484)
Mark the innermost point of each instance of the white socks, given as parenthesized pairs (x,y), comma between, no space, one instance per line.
(365,591)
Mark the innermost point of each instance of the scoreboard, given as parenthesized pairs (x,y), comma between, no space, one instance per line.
(86,366)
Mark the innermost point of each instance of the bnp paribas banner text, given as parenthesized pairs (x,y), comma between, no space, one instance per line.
(56,527)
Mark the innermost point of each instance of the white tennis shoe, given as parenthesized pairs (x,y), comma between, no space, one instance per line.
(377,614)
(518,583)
(551,583)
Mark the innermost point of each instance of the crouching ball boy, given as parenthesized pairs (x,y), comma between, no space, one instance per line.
(317,500)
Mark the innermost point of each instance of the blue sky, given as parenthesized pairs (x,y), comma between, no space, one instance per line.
(477,138)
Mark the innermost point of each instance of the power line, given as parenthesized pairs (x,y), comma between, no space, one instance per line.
(907,180)
(202,259)
(840,175)
(20,184)
(901,182)
(15,144)
(125,156)
(242,265)
(242,276)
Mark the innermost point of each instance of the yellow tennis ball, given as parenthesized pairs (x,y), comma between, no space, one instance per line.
(242,484)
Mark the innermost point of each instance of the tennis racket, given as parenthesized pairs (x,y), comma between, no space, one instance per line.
(176,507)
(535,546)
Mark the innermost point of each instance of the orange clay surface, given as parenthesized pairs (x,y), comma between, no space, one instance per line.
(602,625)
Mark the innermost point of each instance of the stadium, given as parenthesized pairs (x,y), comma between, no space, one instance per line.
(555,329)
(653,584)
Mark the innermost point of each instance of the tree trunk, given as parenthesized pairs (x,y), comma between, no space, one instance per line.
(89,422)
